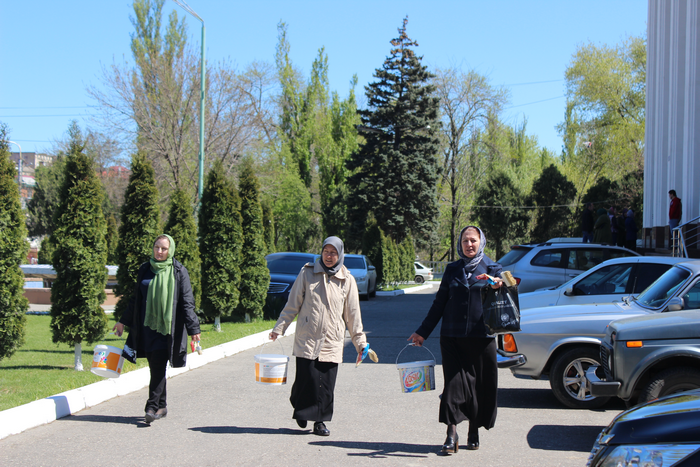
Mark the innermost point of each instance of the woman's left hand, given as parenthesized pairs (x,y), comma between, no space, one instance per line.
(196,337)
(498,284)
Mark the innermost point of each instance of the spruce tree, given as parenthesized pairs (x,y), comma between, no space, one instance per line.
(112,239)
(182,228)
(396,170)
(80,257)
(13,252)
(139,228)
(256,277)
(220,241)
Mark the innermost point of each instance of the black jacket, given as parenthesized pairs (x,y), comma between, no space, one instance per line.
(184,320)
(458,302)
(587,220)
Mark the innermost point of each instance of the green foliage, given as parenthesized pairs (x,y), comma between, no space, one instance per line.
(81,254)
(253,265)
(46,250)
(112,239)
(140,225)
(41,208)
(182,228)
(551,192)
(501,226)
(293,214)
(408,256)
(13,251)
(268,224)
(396,170)
(220,242)
(372,246)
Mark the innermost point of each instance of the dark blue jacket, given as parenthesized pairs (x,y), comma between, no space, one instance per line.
(458,302)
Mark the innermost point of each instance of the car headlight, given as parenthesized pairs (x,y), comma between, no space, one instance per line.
(361,278)
(653,455)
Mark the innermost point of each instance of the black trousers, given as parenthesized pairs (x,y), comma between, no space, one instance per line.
(312,392)
(157,363)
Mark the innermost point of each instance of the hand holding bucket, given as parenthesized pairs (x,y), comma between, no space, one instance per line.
(271,369)
(416,376)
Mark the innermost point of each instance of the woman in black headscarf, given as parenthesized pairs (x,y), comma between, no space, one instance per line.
(468,353)
(326,300)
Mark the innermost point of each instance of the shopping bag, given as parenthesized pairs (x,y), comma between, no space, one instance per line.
(501,309)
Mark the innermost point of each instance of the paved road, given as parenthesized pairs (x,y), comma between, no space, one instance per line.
(219,417)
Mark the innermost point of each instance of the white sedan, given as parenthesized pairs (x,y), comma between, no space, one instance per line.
(365,274)
(605,283)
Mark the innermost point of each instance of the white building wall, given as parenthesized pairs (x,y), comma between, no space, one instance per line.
(672,139)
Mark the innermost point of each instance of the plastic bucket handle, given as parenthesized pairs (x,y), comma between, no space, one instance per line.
(412,344)
(280,343)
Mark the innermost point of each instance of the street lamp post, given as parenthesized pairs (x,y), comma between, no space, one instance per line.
(202,98)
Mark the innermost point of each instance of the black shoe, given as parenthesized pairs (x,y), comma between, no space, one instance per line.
(451,444)
(161,413)
(321,430)
(301,423)
(473,441)
(150,416)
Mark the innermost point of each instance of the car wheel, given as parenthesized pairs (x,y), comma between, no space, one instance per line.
(419,279)
(568,378)
(670,381)
(373,293)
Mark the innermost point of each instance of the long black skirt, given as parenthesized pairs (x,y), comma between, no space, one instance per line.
(312,391)
(471,381)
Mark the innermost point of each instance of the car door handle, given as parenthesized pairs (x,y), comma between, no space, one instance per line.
(573,275)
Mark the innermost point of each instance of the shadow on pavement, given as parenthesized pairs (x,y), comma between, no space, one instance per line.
(248,429)
(517,398)
(138,421)
(563,438)
(381,450)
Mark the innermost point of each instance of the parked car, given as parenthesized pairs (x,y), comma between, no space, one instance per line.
(284,268)
(549,264)
(605,283)
(665,432)
(652,356)
(562,342)
(423,273)
(365,274)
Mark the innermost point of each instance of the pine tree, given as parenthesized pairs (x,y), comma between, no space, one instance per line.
(253,266)
(139,228)
(182,228)
(220,241)
(552,191)
(80,257)
(112,239)
(13,251)
(396,170)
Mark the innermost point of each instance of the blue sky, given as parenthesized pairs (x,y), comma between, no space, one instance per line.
(51,51)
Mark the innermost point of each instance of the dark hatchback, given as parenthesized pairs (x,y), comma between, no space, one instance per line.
(284,269)
(664,432)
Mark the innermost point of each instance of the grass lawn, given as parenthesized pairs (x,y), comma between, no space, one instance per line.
(41,368)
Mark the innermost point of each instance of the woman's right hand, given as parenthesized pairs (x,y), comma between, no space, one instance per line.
(118,329)
(416,339)
(273,336)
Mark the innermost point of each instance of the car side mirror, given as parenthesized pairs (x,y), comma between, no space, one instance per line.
(569,291)
(371,268)
(676,304)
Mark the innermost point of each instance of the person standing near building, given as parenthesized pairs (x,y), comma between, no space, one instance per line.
(587,222)
(675,210)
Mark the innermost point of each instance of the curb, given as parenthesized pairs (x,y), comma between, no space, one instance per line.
(43,411)
(405,291)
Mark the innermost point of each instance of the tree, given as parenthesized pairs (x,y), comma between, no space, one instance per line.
(182,228)
(551,193)
(41,208)
(46,250)
(396,170)
(139,228)
(293,213)
(499,212)
(112,239)
(220,242)
(80,257)
(13,252)
(268,225)
(253,265)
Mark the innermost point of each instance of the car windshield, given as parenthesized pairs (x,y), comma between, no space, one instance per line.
(354,263)
(286,264)
(663,288)
(513,256)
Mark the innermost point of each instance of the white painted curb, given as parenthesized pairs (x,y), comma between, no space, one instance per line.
(405,291)
(40,412)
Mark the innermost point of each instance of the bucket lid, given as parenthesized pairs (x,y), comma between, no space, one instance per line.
(110,348)
(415,364)
(272,358)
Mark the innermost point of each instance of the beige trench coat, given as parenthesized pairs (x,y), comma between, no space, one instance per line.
(324,306)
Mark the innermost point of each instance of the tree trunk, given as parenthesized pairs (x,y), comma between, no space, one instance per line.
(78,357)
(217,323)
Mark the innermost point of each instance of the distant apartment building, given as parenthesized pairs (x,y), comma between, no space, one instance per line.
(30,161)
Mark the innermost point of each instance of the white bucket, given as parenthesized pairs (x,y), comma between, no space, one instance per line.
(417,376)
(271,369)
(107,361)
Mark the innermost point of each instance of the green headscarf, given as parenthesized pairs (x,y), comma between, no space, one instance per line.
(159,301)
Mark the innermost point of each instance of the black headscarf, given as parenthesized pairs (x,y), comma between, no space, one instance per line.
(470,264)
(338,245)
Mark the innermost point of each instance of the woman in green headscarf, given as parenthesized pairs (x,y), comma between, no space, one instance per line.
(160,316)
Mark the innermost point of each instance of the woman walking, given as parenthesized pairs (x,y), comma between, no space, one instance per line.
(468,353)
(160,317)
(325,300)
